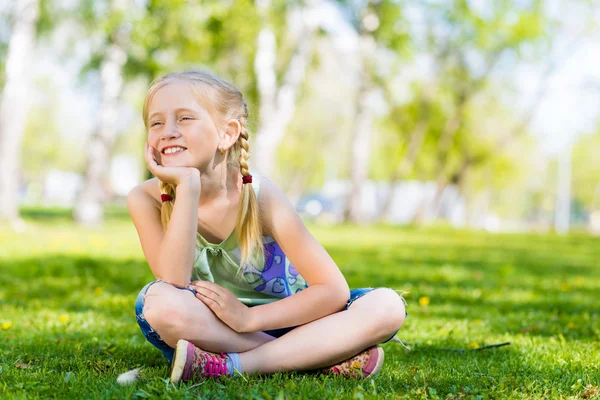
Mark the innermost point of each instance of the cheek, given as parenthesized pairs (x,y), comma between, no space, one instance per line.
(153,137)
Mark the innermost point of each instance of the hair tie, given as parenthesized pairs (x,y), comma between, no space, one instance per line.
(166,197)
(247,179)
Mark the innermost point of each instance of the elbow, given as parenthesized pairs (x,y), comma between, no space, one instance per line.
(180,284)
(166,272)
(173,279)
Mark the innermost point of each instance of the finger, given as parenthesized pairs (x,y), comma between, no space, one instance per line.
(150,160)
(208,301)
(209,294)
(148,153)
(210,286)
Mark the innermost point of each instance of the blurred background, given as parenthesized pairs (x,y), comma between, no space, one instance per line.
(474,113)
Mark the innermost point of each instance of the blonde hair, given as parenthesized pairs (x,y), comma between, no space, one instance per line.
(224,102)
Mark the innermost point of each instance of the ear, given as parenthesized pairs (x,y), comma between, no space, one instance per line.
(230,134)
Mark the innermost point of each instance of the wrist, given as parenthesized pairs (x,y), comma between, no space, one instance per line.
(187,188)
(250,321)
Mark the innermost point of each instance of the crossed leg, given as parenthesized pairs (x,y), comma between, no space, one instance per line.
(176,314)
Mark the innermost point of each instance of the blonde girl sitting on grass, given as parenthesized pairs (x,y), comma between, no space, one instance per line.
(241,285)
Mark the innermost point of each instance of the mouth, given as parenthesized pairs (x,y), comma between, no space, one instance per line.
(173,151)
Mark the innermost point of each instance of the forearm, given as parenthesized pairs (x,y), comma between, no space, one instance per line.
(176,254)
(308,305)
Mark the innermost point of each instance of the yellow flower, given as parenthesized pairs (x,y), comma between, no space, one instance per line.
(571,325)
(424,301)
(474,345)
(6,325)
(98,291)
(63,318)
(355,364)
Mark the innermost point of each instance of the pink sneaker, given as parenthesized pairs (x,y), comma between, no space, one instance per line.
(363,365)
(190,362)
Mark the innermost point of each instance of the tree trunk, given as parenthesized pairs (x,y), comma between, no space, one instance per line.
(277,104)
(14,106)
(407,163)
(361,140)
(89,209)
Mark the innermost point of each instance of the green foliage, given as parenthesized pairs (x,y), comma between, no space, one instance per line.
(68,330)
(473,138)
(586,171)
(180,35)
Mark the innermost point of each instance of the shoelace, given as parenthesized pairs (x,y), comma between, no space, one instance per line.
(215,365)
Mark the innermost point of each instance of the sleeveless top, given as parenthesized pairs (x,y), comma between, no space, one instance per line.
(256,284)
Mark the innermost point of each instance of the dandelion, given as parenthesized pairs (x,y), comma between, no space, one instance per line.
(63,318)
(474,345)
(424,301)
(98,291)
(7,325)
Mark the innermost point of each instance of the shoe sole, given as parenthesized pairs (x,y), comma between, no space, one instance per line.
(179,360)
(378,364)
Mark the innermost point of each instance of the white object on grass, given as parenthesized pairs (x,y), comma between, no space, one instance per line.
(129,377)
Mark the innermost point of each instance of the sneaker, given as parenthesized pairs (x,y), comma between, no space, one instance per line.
(363,365)
(190,362)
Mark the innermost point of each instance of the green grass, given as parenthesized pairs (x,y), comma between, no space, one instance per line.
(67,327)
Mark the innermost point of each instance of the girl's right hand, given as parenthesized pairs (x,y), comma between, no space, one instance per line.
(173,175)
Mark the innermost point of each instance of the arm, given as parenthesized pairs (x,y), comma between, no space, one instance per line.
(170,254)
(328,290)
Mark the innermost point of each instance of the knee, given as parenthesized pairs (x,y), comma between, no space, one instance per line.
(390,312)
(170,311)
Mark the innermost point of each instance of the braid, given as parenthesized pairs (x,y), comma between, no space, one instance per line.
(248,226)
(167,206)
(244,148)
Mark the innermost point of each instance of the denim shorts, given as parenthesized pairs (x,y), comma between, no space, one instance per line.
(153,337)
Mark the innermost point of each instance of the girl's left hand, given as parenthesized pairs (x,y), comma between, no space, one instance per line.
(224,304)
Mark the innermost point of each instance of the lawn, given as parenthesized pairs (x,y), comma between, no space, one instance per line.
(67,327)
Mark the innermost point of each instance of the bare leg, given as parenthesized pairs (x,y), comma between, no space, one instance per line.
(370,320)
(177,314)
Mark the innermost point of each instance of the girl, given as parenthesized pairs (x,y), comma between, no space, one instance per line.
(241,285)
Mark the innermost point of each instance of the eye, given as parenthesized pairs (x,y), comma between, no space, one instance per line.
(154,124)
(186,118)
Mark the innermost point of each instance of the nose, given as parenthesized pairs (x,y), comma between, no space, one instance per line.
(170,131)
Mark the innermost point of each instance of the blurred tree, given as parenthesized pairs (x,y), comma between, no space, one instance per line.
(278,97)
(14,104)
(586,171)
(379,24)
(5,28)
(114,28)
(477,39)
(409,124)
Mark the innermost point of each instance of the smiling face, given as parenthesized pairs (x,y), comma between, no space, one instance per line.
(180,129)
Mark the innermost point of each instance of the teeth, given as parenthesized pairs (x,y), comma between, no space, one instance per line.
(172,150)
